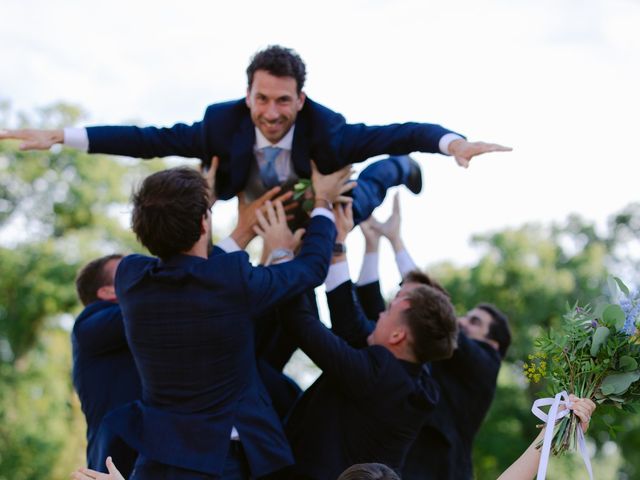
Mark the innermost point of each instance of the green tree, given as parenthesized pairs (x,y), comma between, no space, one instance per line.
(531,273)
(58,210)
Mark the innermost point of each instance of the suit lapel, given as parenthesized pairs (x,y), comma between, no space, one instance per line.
(242,154)
(300,149)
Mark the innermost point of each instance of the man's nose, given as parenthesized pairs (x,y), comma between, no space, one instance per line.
(271,112)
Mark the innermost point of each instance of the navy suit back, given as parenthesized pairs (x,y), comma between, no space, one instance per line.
(189,323)
(105,377)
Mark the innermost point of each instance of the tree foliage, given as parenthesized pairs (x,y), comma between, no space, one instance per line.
(58,210)
(531,273)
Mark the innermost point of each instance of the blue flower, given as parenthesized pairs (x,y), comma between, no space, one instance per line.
(631,308)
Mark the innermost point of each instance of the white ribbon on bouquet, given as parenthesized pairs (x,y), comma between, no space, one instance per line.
(550,419)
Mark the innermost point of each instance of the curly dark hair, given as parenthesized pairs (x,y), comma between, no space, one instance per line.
(433,324)
(92,277)
(168,210)
(279,62)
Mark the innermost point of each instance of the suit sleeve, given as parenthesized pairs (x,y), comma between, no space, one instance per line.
(348,321)
(370,298)
(268,286)
(149,142)
(357,142)
(101,333)
(355,370)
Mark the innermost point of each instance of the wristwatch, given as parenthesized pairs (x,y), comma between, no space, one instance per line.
(339,248)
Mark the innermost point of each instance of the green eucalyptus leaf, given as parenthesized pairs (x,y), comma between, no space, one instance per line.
(599,337)
(599,309)
(613,288)
(614,315)
(627,363)
(618,383)
(623,288)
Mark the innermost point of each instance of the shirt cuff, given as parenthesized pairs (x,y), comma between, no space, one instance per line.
(446,140)
(338,274)
(325,212)
(369,270)
(405,262)
(76,138)
(229,245)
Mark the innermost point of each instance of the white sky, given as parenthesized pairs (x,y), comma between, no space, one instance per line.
(557,80)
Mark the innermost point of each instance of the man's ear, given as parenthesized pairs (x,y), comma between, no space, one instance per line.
(398,335)
(204,223)
(107,293)
(301,98)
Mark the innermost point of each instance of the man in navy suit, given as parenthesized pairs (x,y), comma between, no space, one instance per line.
(467,380)
(189,316)
(368,403)
(104,373)
(269,136)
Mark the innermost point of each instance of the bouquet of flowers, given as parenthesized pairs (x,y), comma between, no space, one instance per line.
(594,354)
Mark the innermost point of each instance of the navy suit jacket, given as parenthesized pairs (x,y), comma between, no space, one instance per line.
(228,132)
(105,377)
(467,385)
(189,324)
(365,407)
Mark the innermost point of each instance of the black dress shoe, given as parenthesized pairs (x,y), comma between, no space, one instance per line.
(414,180)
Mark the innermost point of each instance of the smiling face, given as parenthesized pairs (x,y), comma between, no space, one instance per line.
(274,103)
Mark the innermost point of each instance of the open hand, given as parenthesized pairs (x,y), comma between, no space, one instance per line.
(463,151)
(33,139)
(88,474)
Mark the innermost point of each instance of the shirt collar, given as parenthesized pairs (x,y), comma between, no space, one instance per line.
(285,142)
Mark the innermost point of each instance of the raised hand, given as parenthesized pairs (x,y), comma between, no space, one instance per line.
(33,139)
(463,151)
(88,474)
(371,231)
(244,233)
(344,220)
(330,188)
(209,174)
(272,227)
(391,228)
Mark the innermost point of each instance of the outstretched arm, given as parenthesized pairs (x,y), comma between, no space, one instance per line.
(391,230)
(463,151)
(525,467)
(34,139)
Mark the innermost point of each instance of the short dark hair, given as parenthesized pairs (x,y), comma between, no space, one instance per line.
(279,62)
(499,329)
(368,471)
(92,277)
(433,324)
(417,276)
(168,210)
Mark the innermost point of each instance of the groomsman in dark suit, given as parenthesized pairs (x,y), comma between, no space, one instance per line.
(104,373)
(467,380)
(368,404)
(204,413)
(268,138)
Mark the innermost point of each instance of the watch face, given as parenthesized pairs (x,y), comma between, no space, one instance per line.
(339,248)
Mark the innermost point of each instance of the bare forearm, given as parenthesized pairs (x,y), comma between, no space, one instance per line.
(525,467)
